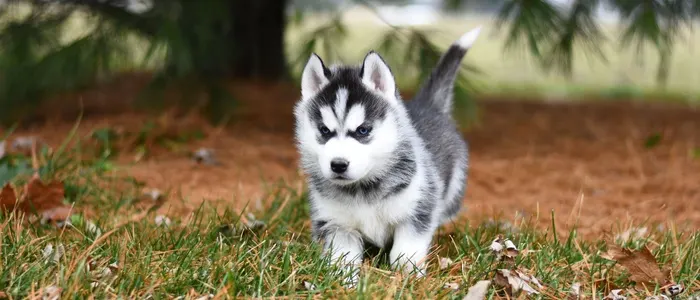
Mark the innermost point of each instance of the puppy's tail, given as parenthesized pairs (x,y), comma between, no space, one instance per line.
(438,88)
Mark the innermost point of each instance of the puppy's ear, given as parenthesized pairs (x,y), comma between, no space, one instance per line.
(314,77)
(377,76)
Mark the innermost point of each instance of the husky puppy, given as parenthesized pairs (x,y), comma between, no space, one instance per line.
(380,171)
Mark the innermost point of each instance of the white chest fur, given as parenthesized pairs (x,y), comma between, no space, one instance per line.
(375,219)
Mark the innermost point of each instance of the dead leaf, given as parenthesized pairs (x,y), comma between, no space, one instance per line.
(662,297)
(529,278)
(478,291)
(575,292)
(51,293)
(496,245)
(641,265)
(41,197)
(513,282)
(91,228)
(451,285)
(8,199)
(53,255)
(511,250)
(616,295)
(3,295)
(445,263)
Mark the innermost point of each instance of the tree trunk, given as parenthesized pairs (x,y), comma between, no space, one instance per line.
(258,39)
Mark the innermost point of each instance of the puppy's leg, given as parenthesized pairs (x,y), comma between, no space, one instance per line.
(411,244)
(345,247)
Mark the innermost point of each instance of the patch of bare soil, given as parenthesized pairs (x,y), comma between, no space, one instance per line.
(585,162)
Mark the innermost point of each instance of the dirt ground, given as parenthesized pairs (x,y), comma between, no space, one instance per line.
(585,162)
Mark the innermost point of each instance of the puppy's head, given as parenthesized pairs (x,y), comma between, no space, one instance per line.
(346,120)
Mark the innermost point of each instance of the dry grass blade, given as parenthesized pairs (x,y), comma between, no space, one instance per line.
(478,291)
(641,265)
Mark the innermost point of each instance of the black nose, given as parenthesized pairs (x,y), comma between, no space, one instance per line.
(339,165)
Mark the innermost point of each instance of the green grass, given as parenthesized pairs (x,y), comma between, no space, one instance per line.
(210,252)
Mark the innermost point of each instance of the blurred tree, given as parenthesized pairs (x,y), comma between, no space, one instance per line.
(197,43)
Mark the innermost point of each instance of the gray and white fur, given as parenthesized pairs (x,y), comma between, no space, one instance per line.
(380,171)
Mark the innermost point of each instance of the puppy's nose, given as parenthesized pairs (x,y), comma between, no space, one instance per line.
(339,165)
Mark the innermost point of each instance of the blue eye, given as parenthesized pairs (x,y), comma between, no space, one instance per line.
(362,130)
(324,129)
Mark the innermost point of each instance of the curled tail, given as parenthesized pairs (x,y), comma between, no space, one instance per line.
(438,88)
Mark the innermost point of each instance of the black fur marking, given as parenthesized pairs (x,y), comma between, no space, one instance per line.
(318,230)
(397,189)
(404,168)
(424,212)
(362,188)
(350,79)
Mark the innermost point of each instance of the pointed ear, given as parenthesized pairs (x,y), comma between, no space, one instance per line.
(314,77)
(376,75)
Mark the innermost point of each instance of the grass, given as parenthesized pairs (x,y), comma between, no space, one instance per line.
(211,252)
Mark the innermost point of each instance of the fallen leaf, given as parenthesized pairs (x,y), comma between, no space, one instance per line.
(91,228)
(3,295)
(41,197)
(615,295)
(662,297)
(451,286)
(529,278)
(51,293)
(206,297)
(53,255)
(496,245)
(478,291)
(511,250)
(513,283)
(641,264)
(575,292)
(8,199)
(445,262)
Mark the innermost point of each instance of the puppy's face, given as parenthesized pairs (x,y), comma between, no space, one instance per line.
(346,128)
